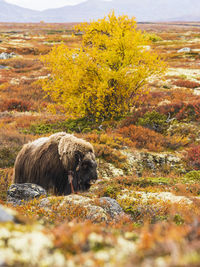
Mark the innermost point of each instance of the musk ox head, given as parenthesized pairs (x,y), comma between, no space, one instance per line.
(79,161)
(86,171)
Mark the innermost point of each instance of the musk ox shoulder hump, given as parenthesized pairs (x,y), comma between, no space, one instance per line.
(69,144)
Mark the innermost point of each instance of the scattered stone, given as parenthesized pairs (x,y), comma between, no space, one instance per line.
(184,50)
(3,67)
(196,91)
(164,102)
(5,215)
(17,193)
(5,55)
(111,206)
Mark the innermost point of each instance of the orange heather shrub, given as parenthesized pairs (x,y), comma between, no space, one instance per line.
(143,137)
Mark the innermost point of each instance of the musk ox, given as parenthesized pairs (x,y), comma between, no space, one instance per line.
(60,163)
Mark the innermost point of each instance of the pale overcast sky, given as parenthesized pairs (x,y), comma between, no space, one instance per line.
(43,4)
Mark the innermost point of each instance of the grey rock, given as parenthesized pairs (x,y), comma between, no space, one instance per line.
(27,191)
(5,55)
(3,67)
(184,50)
(5,216)
(111,206)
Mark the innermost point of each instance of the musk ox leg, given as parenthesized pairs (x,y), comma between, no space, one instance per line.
(70,179)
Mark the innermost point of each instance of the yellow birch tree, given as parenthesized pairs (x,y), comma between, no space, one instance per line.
(101,79)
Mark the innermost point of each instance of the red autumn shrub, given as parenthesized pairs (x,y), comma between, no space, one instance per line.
(189,111)
(181,110)
(193,157)
(16,104)
(172,108)
(187,84)
(143,137)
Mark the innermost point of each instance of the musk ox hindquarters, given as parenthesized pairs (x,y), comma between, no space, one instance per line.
(59,163)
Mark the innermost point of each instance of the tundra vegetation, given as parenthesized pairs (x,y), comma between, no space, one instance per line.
(148,159)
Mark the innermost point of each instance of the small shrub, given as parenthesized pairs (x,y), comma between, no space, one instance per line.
(110,155)
(133,118)
(189,112)
(178,219)
(193,156)
(182,111)
(81,125)
(184,130)
(16,104)
(193,175)
(176,141)
(153,37)
(113,140)
(187,84)
(5,182)
(154,121)
(143,138)
(8,156)
(172,108)
(111,191)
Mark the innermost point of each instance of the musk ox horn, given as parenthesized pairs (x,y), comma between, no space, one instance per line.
(60,163)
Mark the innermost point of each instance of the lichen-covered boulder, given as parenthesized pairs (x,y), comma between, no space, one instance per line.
(96,209)
(27,191)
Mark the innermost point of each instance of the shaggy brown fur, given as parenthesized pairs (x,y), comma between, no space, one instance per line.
(49,161)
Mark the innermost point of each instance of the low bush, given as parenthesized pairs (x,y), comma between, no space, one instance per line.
(193,157)
(5,182)
(186,83)
(133,118)
(182,111)
(154,121)
(80,125)
(110,155)
(16,104)
(193,175)
(143,138)
(8,156)
(113,140)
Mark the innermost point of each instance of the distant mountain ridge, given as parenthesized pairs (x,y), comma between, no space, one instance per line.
(143,10)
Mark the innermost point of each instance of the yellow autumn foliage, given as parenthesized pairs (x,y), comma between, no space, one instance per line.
(101,79)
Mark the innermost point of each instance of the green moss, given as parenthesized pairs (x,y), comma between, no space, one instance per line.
(160,180)
(193,175)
